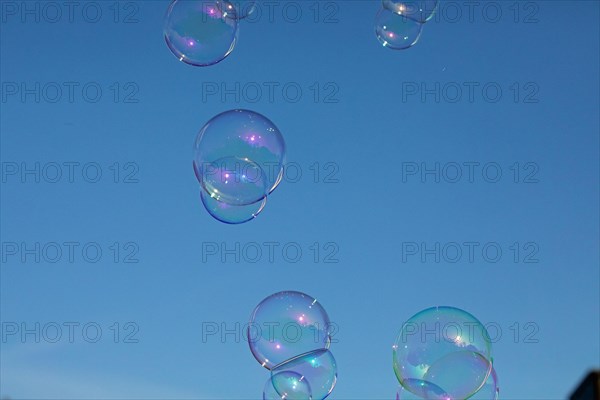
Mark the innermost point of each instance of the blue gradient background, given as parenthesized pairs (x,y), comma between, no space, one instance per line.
(369,133)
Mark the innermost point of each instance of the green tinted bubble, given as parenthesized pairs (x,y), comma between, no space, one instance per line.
(432,334)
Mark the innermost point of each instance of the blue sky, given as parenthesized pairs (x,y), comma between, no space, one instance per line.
(363,211)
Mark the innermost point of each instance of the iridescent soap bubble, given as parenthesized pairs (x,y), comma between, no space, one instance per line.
(231,214)
(420,11)
(423,390)
(318,368)
(432,334)
(286,325)
(234,181)
(237,9)
(198,33)
(242,135)
(460,374)
(396,32)
(288,385)
(489,391)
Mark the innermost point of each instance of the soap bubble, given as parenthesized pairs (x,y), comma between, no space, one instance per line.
(247,136)
(422,390)
(461,373)
(396,32)
(489,391)
(289,324)
(231,214)
(420,11)
(432,334)
(288,385)
(198,33)
(318,368)
(238,9)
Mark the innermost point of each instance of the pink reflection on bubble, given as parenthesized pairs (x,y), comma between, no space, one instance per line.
(252,138)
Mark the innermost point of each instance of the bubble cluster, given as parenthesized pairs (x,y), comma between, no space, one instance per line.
(444,353)
(398,24)
(204,32)
(293,335)
(238,160)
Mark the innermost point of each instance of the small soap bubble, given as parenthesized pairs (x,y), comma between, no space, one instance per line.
(289,324)
(198,33)
(249,143)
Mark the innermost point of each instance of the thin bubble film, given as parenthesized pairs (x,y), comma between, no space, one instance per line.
(420,389)
(228,213)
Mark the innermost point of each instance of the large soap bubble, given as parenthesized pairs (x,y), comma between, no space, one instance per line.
(198,33)
(420,11)
(395,31)
(289,324)
(432,341)
(246,143)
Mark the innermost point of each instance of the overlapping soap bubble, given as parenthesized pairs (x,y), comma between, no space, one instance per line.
(239,157)
(204,32)
(289,334)
(444,353)
(399,24)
